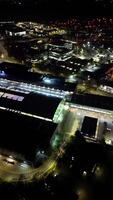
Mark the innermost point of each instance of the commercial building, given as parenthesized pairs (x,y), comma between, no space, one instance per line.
(25,136)
(18,79)
(60,54)
(14,31)
(90,114)
(60,50)
(30,104)
(95,101)
(94,115)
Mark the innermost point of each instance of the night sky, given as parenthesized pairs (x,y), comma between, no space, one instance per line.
(51,9)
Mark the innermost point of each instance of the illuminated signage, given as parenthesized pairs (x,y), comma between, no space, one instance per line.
(11,96)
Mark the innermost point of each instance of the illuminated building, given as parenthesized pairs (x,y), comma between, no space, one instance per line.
(60,54)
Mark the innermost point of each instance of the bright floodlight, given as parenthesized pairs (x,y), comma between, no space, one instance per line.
(47,80)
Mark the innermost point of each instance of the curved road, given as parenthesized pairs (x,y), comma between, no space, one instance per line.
(15,172)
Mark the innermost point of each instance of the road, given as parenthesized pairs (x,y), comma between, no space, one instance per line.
(14,172)
(9,60)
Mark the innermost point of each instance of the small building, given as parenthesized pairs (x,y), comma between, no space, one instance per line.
(14,31)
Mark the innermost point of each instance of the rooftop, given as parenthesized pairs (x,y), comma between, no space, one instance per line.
(19,73)
(24,135)
(95,101)
(33,105)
